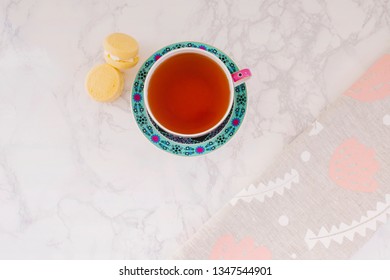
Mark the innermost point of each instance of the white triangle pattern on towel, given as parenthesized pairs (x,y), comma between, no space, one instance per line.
(368,221)
(267,190)
(317,127)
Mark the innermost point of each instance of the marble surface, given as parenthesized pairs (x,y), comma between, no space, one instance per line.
(78,180)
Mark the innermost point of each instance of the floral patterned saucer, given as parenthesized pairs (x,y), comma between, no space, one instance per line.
(179,145)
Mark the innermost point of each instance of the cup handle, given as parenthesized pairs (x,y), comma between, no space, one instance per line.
(241,76)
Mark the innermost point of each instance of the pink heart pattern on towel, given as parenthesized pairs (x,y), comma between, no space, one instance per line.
(226,248)
(353,166)
(375,83)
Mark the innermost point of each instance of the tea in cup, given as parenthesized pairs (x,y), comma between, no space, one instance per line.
(189,92)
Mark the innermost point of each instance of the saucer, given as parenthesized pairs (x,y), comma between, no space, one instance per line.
(181,145)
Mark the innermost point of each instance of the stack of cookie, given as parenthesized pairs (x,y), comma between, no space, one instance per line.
(105,82)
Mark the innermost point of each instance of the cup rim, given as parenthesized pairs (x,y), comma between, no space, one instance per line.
(189,50)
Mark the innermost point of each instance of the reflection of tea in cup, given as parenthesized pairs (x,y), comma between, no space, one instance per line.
(189,92)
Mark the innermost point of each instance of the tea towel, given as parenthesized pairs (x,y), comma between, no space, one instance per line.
(325,195)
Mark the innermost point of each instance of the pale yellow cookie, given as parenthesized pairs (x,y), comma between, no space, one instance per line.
(104,83)
(120,50)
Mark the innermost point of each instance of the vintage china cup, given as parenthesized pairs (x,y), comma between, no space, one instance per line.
(234,80)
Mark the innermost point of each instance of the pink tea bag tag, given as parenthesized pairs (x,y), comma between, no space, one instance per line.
(241,76)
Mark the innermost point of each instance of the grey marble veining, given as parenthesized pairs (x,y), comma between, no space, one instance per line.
(79,180)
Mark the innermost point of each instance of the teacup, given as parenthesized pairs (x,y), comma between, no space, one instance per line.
(189,92)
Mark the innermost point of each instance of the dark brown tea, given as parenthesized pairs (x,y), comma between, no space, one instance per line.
(188,93)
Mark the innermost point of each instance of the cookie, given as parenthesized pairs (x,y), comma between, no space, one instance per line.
(104,83)
(120,51)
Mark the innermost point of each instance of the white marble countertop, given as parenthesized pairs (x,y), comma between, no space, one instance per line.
(79,180)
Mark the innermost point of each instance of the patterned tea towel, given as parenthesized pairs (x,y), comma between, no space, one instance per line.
(324,197)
